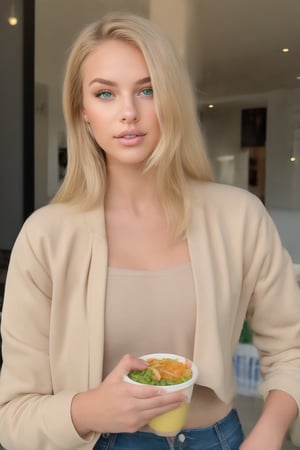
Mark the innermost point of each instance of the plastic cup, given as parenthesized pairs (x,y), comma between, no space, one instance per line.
(171,422)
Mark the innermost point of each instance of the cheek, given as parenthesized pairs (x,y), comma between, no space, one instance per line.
(99,121)
(156,122)
(95,123)
(154,117)
(91,109)
(102,131)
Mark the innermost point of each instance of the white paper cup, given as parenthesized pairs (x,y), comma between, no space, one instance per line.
(170,423)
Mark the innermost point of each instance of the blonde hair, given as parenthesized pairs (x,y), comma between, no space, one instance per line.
(180,153)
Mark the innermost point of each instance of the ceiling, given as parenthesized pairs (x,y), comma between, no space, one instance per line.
(242,42)
(233,46)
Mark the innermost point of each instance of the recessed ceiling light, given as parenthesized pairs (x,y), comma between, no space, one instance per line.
(285,50)
(211,106)
(293,158)
(12,20)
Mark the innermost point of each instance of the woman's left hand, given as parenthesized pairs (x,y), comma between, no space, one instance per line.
(257,441)
(279,410)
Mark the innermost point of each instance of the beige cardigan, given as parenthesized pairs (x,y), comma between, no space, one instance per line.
(53,314)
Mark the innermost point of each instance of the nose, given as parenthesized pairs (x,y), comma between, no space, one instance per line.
(129,112)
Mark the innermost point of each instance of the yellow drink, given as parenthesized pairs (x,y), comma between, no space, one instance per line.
(171,422)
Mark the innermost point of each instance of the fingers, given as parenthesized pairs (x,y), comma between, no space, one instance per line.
(155,406)
(145,391)
(129,362)
(140,402)
(125,365)
(118,405)
(153,400)
(168,400)
(141,408)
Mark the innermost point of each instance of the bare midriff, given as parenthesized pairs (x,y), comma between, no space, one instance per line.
(205,409)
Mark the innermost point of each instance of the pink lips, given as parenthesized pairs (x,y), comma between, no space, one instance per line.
(130,138)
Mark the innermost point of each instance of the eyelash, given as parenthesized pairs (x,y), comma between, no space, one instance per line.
(102,95)
(147,89)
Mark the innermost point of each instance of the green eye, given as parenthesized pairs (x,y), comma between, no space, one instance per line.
(147,91)
(104,94)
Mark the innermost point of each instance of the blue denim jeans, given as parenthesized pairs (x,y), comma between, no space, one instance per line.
(226,434)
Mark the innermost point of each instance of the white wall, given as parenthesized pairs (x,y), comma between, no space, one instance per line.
(288,225)
(222,129)
(222,126)
(283,176)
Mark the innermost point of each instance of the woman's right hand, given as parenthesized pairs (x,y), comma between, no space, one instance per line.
(117,406)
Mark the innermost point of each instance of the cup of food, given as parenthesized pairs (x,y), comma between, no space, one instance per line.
(172,373)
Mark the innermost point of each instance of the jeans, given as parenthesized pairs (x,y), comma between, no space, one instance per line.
(226,434)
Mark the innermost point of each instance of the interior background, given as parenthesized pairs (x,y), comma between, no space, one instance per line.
(233,52)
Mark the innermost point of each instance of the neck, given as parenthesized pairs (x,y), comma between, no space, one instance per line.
(129,187)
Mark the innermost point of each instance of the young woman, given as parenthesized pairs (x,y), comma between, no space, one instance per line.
(141,252)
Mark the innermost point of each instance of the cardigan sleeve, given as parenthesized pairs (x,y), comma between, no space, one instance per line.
(29,410)
(274,312)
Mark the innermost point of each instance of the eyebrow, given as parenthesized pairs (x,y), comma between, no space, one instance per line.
(112,83)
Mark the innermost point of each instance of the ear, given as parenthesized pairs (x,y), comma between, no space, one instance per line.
(84,115)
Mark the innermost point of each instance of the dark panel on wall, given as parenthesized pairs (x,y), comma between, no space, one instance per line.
(28,105)
(254,127)
(11,123)
(17,119)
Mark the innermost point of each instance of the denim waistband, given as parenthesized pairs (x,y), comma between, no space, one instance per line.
(226,434)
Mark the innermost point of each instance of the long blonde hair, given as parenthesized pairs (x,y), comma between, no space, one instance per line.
(180,154)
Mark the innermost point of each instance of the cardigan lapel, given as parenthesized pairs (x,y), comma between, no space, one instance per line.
(207,334)
(96,295)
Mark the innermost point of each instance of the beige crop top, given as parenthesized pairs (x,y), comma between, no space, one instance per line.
(148,312)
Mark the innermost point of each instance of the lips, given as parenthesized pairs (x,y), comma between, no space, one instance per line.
(130,138)
(130,135)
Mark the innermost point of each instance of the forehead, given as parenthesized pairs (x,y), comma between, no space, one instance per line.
(114,58)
